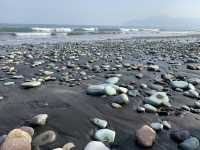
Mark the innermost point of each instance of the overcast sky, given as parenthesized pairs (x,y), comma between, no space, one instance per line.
(99,12)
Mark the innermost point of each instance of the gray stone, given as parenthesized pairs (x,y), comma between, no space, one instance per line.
(96,145)
(157,99)
(112,80)
(40,119)
(156,126)
(99,122)
(44,138)
(190,144)
(121,99)
(105,135)
(180,84)
(150,108)
(96,90)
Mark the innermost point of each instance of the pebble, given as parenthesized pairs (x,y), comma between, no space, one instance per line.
(40,119)
(149,108)
(121,99)
(19,133)
(157,99)
(110,90)
(96,90)
(31,84)
(180,84)
(156,126)
(105,135)
(99,122)
(191,93)
(116,105)
(44,138)
(16,144)
(190,144)
(180,135)
(29,130)
(153,68)
(166,124)
(140,109)
(95,145)
(145,136)
(112,80)
(68,146)
(133,93)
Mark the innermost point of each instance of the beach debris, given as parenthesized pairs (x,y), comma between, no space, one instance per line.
(145,136)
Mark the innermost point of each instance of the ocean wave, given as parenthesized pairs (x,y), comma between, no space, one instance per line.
(32,34)
(150,30)
(57,30)
(125,30)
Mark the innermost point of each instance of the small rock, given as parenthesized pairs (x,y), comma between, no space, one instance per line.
(31,84)
(68,146)
(157,99)
(96,90)
(40,119)
(95,145)
(180,84)
(166,125)
(44,138)
(112,80)
(190,144)
(121,99)
(29,130)
(149,108)
(110,90)
(99,122)
(105,135)
(156,126)
(145,136)
(116,105)
(180,135)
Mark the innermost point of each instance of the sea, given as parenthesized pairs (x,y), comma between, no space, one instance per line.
(13,34)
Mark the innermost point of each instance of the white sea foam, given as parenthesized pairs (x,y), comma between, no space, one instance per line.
(92,29)
(32,34)
(125,30)
(150,30)
(59,30)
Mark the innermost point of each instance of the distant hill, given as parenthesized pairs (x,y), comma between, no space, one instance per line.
(167,23)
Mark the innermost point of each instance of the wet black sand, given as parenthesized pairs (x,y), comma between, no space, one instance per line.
(70,108)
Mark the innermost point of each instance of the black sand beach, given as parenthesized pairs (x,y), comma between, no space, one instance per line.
(75,65)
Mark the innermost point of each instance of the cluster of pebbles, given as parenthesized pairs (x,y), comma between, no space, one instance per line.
(110,65)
